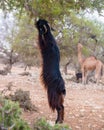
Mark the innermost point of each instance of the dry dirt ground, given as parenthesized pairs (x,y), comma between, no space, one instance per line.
(84,105)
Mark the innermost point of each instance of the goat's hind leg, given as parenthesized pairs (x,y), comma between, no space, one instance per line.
(60,114)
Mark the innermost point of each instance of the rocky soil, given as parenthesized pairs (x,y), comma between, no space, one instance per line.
(84,104)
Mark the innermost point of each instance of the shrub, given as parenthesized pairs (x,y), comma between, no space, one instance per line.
(42,124)
(10,113)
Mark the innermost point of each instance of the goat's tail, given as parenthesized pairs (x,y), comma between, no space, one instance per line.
(55,99)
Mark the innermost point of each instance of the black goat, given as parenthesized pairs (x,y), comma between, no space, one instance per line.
(51,76)
(78,76)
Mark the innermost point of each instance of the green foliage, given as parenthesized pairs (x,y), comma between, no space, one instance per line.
(12,109)
(24,43)
(80,29)
(73,29)
(64,15)
(21,125)
(85,51)
(51,9)
(42,124)
(10,113)
(25,35)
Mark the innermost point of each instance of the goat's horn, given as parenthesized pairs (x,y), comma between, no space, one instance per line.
(45,28)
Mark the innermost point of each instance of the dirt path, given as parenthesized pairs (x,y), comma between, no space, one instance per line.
(84,105)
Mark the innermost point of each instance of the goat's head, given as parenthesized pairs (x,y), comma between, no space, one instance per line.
(42,26)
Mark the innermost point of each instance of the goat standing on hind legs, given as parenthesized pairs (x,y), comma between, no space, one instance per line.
(51,76)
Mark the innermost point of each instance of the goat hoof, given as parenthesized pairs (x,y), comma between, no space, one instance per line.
(59,121)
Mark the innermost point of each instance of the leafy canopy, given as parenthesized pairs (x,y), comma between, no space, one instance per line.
(51,9)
